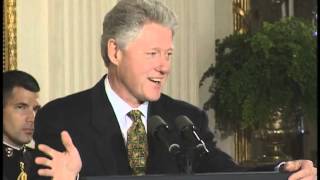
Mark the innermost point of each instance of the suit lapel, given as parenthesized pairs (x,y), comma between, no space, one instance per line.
(110,146)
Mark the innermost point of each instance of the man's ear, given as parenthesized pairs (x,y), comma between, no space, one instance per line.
(114,52)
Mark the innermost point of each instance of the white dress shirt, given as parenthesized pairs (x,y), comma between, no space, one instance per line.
(121,109)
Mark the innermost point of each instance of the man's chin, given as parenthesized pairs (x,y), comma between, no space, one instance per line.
(27,140)
(153,98)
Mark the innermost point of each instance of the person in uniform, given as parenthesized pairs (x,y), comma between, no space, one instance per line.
(20,104)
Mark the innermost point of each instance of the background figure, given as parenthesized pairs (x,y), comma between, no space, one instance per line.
(20,104)
(108,122)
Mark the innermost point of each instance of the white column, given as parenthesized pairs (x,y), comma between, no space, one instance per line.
(283,9)
(291,7)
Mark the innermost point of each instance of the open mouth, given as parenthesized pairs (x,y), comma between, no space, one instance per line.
(155,80)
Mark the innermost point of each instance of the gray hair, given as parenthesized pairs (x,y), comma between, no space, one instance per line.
(125,20)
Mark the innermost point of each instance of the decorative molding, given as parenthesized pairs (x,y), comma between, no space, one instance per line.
(240,9)
(241,146)
(9,56)
(241,142)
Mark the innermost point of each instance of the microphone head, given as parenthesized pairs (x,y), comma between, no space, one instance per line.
(183,122)
(154,123)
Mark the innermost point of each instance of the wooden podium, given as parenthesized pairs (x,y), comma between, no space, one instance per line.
(207,176)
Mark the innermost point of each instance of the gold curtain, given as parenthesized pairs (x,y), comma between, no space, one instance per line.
(9,56)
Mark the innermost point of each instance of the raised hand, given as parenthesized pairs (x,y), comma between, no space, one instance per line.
(62,165)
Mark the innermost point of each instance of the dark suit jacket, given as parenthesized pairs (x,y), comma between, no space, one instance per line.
(89,118)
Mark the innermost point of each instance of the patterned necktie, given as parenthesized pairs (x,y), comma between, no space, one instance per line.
(137,144)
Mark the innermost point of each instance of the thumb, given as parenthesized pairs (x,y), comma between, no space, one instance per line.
(67,141)
(292,165)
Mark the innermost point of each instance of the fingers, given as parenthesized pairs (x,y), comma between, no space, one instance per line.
(297,164)
(60,164)
(304,174)
(45,172)
(304,169)
(292,165)
(47,150)
(67,141)
(43,161)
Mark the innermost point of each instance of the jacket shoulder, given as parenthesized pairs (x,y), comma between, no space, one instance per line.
(178,105)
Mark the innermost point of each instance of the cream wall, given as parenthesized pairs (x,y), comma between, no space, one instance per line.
(58,43)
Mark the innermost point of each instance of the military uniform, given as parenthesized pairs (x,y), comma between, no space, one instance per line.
(18,164)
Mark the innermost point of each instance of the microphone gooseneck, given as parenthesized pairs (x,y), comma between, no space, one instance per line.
(187,131)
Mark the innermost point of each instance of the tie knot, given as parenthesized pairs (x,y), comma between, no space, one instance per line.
(135,115)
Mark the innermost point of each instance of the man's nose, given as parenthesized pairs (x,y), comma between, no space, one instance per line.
(164,65)
(31,115)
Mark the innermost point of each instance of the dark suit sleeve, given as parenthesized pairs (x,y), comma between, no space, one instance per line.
(48,126)
(47,131)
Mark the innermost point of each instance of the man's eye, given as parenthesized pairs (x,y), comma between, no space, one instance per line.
(152,53)
(21,107)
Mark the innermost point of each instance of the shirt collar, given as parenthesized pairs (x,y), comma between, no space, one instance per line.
(120,107)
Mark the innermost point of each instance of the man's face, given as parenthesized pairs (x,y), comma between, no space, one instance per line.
(18,116)
(144,65)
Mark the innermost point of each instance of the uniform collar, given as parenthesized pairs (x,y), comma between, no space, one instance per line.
(14,147)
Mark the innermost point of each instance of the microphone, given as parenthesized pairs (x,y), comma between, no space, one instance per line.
(187,131)
(159,129)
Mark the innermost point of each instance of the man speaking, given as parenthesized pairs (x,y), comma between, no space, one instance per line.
(108,122)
